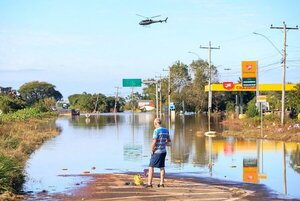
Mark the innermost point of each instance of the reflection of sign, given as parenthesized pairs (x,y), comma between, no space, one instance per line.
(250,170)
(132,152)
(229,148)
(261,99)
(132,82)
(262,87)
(228,85)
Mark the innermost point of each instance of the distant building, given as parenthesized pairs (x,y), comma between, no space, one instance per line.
(147,105)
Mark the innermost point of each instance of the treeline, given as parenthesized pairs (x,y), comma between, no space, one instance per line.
(39,95)
(87,102)
(187,84)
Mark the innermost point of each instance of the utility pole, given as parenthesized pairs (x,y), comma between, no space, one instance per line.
(159,91)
(156,94)
(285,29)
(169,90)
(116,99)
(209,80)
(160,107)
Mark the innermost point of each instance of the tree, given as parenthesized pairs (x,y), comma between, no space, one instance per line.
(132,100)
(179,81)
(88,102)
(251,108)
(293,98)
(9,104)
(33,92)
(200,74)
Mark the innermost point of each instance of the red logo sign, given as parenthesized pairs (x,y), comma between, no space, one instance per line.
(228,85)
(249,67)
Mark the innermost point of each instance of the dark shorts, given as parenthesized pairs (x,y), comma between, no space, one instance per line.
(158,160)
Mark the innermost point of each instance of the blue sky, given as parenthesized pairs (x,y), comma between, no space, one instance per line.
(91,45)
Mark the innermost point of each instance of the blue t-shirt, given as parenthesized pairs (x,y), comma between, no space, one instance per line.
(161,134)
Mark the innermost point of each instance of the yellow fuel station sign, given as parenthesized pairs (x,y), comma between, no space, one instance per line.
(230,86)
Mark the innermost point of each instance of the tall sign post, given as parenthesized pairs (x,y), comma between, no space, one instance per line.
(132,83)
(250,75)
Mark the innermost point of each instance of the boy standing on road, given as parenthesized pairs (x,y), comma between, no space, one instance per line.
(158,152)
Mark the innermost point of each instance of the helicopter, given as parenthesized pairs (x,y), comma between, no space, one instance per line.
(149,20)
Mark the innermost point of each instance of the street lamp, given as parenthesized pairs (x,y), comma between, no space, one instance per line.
(283,75)
(194,53)
(269,42)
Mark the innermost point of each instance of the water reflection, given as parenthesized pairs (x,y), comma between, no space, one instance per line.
(121,142)
(295,159)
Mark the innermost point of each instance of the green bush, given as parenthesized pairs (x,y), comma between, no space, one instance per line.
(24,114)
(11,177)
(9,104)
(230,106)
(252,110)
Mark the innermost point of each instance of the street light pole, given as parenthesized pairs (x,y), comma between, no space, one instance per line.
(156,94)
(169,90)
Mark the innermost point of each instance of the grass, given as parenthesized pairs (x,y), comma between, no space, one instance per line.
(21,133)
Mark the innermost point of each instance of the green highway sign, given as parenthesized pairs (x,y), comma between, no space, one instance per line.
(249,82)
(132,82)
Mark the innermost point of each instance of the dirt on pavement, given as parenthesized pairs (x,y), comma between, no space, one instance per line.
(109,187)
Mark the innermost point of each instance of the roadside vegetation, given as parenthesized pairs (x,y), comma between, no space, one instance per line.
(93,103)
(26,121)
(187,83)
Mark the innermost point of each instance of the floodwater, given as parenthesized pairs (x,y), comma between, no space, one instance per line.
(110,143)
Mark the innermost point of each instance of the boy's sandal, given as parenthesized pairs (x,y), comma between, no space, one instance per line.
(148,186)
(160,185)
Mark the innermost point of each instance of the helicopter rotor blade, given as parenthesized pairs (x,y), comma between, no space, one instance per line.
(155,16)
(142,16)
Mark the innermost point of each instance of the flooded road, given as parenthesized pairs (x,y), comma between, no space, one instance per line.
(111,143)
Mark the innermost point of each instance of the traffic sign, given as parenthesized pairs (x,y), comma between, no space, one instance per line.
(261,99)
(132,82)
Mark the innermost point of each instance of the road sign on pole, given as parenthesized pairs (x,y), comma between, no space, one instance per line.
(261,99)
(132,82)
